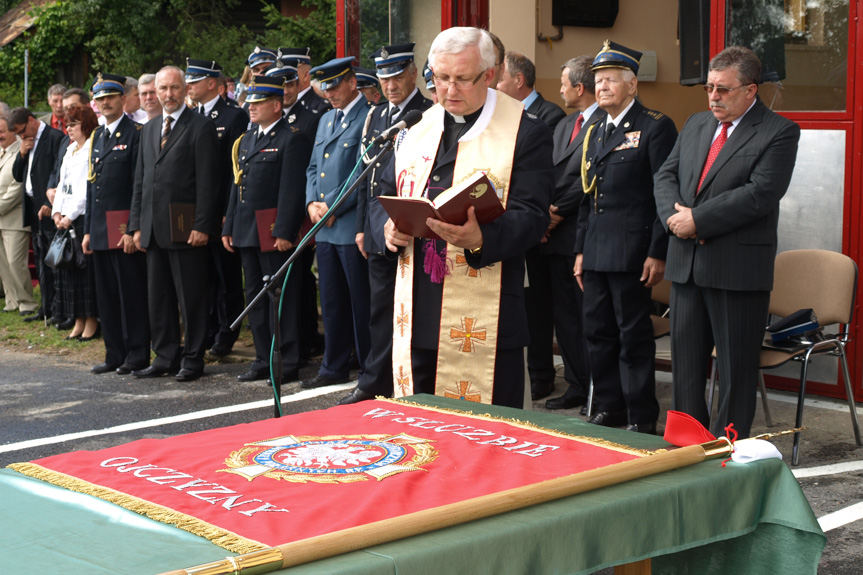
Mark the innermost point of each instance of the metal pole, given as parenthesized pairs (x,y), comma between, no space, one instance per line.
(26,78)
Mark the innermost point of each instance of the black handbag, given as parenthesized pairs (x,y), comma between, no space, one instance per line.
(65,252)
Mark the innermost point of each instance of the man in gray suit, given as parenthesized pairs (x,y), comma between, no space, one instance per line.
(718,196)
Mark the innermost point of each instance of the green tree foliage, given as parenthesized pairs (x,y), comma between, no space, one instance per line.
(131,37)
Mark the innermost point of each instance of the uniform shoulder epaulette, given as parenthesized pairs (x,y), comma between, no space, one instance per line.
(654,114)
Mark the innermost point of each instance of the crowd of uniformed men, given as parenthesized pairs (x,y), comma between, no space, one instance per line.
(251,175)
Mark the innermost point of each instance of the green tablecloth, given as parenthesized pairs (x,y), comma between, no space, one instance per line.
(704,519)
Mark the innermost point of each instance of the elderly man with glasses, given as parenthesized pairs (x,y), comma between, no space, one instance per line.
(459,318)
(718,197)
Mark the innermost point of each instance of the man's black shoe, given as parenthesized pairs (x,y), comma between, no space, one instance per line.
(568,400)
(153,371)
(541,389)
(36,317)
(642,427)
(103,368)
(355,396)
(608,418)
(126,369)
(321,381)
(65,324)
(36,311)
(189,374)
(254,375)
(221,349)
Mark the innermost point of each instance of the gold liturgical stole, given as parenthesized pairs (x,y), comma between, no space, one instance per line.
(470,308)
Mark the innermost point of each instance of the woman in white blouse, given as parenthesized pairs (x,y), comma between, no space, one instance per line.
(75,286)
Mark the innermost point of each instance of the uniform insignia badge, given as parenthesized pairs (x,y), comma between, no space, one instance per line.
(384,112)
(314,111)
(257,49)
(292,118)
(331,459)
(631,140)
(384,53)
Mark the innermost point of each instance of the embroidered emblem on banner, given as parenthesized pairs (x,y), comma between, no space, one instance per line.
(403,320)
(467,334)
(631,140)
(331,459)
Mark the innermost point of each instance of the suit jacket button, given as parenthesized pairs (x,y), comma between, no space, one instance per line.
(436,178)
(322,196)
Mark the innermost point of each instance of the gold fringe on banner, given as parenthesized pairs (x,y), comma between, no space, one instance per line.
(221,537)
(531,426)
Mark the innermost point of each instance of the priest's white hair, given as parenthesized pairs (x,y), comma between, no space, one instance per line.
(458,39)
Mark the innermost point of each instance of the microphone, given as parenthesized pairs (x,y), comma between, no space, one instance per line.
(410,119)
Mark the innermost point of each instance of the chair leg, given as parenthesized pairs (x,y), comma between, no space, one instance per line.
(850,392)
(711,392)
(804,373)
(763,390)
(590,399)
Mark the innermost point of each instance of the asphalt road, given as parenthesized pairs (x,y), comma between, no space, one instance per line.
(51,405)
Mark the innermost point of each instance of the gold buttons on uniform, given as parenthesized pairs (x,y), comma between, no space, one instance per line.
(436,178)
(323,174)
(327,155)
(322,196)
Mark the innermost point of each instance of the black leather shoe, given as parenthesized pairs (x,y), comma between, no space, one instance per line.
(66,324)
(57,320)
(355,396)
(321,381)
(541,389)
(221,350)
(568,400)
(152,371)
(30,312)
(642,427)
(126,369)
(188,374)
(608,418)
(103,368)
(36,317)
(253,375)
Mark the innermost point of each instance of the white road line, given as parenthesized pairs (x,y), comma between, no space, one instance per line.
(203,414)
(823,403)
(827,469)
(842,517)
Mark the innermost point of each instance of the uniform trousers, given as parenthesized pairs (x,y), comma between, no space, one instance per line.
(733,321)
(377,377)
(344,288)
(620,343)
(14,272)
(226,294)
(121,290)
(554,304)
(178,277)
(256,265)
(508,375)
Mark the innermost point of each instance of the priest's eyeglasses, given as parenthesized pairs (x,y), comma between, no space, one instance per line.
(459,83)
(721,90)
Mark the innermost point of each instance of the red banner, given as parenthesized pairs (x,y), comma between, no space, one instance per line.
(282,480)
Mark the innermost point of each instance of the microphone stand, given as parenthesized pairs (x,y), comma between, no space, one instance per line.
(272,285)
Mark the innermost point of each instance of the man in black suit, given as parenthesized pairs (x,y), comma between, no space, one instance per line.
(120,270)
(271,163)
(460,322)
(620,243)
(177,166)
(718,196)
(398,76)
(41,146)
(517,80)
(302,106)
(226,291)
(554,300)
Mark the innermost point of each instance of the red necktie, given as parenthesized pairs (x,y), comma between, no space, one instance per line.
(714,151)
(578,123)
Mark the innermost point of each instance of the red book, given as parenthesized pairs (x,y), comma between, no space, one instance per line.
(410,214)
(266,220)
(116,222)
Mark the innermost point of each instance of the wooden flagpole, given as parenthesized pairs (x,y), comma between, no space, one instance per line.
(363,536)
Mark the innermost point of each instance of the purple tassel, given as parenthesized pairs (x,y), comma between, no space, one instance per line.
(434,264)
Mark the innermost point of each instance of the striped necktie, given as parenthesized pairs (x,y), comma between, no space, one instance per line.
(715,147)
(167,131)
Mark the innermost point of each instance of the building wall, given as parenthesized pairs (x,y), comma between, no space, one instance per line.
(640,25)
